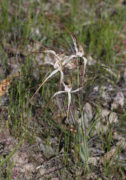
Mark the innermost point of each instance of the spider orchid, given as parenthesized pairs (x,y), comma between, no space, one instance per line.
(61,61)
(79,52)
(67,89)
(58,64)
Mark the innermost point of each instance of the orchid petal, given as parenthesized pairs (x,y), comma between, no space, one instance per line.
(81,50)
(53,52)
(62,76)
(69,102)
(50,63)
(74,91)
(57,93)
(54,72)
(75,44)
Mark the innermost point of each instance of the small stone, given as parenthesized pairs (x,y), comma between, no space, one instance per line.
(42,171)
(118,101)
(86,117)
(105,113)
(113,118)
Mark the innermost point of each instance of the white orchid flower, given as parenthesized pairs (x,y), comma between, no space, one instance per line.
(58,64)
(67,89)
